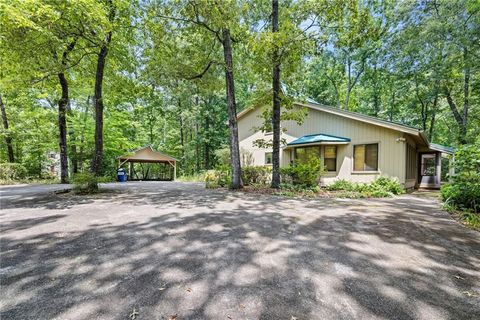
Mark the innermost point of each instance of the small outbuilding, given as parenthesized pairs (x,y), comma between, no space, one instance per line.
(146,155)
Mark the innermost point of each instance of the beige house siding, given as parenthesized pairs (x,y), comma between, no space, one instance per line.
(391,143)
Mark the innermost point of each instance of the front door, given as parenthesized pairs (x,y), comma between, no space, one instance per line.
(429,166)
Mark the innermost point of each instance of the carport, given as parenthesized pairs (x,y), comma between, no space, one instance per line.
(167,164)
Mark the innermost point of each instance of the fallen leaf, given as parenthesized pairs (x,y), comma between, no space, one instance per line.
(229,316)
(173,317)
(242,306)
(469,293)
(134,314)
(189,290)
(293,318)
(458,277)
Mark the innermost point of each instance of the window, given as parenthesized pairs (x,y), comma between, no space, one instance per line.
(411,162)
(268,158)
(302,154)
(330,158)
(365,157)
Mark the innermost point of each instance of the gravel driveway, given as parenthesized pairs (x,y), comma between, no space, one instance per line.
(153,250)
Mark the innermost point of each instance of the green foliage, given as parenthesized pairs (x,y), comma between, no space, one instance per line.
(197,177)
(85,183)
(463,192)
(217,179)
(388,184)
(223,157)
(341,184)
(260,175)
(303,173)
(12,171)
(105,179)
(379,188)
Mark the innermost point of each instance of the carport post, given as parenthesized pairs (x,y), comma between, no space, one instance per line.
(175,171)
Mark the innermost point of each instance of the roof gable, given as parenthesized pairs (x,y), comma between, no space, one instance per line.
(355,116)
(147,154)
(318,138)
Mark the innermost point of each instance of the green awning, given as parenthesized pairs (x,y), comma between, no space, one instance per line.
(439,147)
(319,139)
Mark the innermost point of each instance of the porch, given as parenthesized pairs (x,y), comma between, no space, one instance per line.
(433,166)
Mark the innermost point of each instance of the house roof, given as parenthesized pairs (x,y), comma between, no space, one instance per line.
(356,116)
(147,154)
(439,147)
(319,139)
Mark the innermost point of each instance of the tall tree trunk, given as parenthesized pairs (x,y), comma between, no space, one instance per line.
(62,114)
(392,107)
(73,142)
(62,127)
(206,144)
(432,117)
(276,102)
(466,97)
(98,98)
(349,88)
(232,111)
(8,138)
(461,118)
(461,122)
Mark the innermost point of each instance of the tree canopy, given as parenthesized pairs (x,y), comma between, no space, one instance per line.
(175,72)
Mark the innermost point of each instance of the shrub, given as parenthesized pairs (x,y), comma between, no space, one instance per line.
(12,171)
(381,187)
(341,184)
(303,173)
(256,175)
(463,192)
(217,179)
(388,184)
(223,156)
(196,177)
(105,179)
(85,183)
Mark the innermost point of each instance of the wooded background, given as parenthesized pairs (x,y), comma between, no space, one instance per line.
(93,79)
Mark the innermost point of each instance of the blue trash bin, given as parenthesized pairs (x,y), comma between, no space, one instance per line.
(121,175)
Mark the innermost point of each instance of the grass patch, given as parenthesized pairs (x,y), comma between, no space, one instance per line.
(197,177)
(466,217)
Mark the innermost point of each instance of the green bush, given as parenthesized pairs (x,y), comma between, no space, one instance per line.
(463,191)
(217,179)
(85,183)
(341,184)
(105,179)
(305,173)
(12,171)
(256,175)
(196,177)
(381,187)
(387,184)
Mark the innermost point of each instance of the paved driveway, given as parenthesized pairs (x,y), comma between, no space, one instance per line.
(154,250)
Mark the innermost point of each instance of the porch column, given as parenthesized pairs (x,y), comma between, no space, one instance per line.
(438,162)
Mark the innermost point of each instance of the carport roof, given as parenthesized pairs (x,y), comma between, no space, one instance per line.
(319,138)
(147,154)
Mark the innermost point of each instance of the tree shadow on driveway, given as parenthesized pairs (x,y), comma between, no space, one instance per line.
(205,254)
